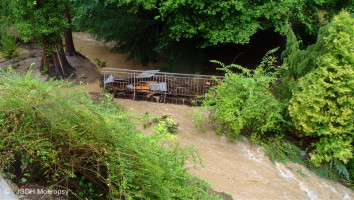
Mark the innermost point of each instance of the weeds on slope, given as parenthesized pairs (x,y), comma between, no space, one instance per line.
(54,135)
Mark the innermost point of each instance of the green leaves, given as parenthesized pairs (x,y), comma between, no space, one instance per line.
(144,28)
(228,21)
(54,132)
(243,103)
(8,45)
(322,105)
(43,21)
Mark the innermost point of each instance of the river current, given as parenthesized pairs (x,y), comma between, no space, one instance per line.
(240,169)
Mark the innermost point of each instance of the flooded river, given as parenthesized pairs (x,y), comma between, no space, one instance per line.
(239,169)
(92,49)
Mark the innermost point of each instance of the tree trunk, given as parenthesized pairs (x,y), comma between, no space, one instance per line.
(56,63)
(44,60)
(69,43)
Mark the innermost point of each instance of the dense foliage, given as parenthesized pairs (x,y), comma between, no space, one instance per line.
(144,28)
(315,84)
(53,134)
(8,45)
(300,62)
(243,101)
(44,22)
(227,21)
(322,105)
(5,12)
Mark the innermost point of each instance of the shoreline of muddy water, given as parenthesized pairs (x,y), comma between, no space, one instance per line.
(240,169)
(92,49)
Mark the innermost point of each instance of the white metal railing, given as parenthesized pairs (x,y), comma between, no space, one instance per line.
(154,83)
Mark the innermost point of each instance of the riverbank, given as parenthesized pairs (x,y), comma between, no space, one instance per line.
(239,169)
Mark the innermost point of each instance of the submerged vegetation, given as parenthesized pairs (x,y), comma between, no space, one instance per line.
(54,134)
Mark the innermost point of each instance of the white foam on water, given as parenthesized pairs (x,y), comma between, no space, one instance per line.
(248,153)
(286,173)
(223,139)
(311,194)
(346,196)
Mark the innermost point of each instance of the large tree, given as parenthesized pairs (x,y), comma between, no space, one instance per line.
(69,42)
(234,21)
(144,27)
(44,21)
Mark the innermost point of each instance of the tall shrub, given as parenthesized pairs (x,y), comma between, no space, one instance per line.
(243,103)
(8,46)
(322,105)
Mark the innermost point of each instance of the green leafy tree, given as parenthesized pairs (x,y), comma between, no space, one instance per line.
(229,21)
(237,21)
(146,27)
(44,21)
(322,104)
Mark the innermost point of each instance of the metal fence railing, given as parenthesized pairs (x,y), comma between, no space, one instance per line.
(157,86)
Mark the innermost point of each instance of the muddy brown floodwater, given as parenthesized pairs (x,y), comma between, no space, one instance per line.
(239,169)
(92,49)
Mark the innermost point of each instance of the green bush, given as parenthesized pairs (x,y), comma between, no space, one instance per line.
(302,61)
(322,104)
(9,46)
(242,102)
(53,134)
(166,125)
(100,63)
